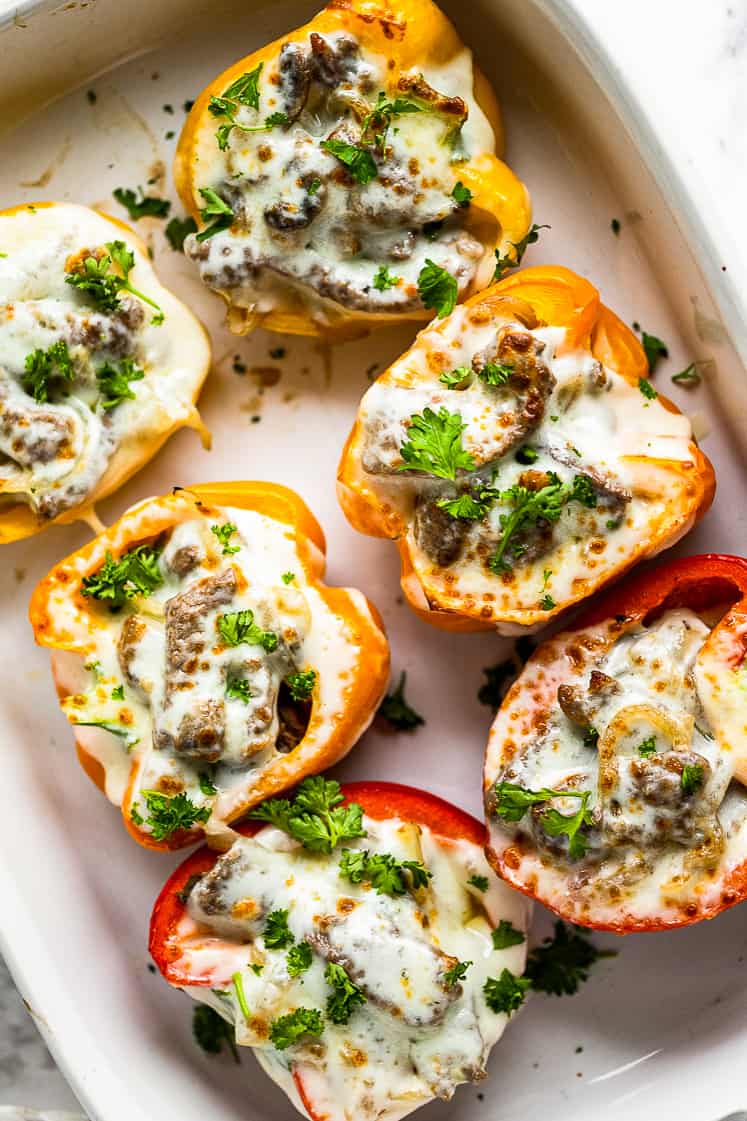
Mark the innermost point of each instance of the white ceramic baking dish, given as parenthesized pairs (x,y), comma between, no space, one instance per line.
(659,1031)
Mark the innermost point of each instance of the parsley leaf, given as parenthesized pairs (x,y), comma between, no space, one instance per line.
(238,627)
(583,491)
(224,533)
(245,89)
(452,379)
(118,693)
(434,444)
(547,603)
(114,382)
(212,1032)
(461,195)
(301,684)
(395,709)
(44,365)
(505,935)
(238,688)
(135,574)
(655,350)
(689,376)
(93,275)
(207,786)
(384,279)
(526,455)
(473,505)
(505,993)
(456,973)
(437,288)
(647,747)
(376,123)
(359,161)
(215,207)
(501,676)
(512,801)
(691,777)
(386,874)
(315,817)
(495,373)
(530,506)
(345,997)
(176,231)
(276,933)
(167,814)
(287,1030)
(288,577)
(556,824)
(479,882)
(299,959)
(562,962)
(147,206)
(509,261)
(647,389)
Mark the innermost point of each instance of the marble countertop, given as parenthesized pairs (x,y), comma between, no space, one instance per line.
(689,69)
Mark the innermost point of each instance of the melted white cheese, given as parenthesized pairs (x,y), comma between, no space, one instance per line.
(414,1038)
(56,453)
(358,227)
(656,843)
(594,423)
(311,637)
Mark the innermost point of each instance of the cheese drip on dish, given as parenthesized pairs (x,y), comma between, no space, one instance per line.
(648,739)
(312,227)
(413,1034)
(84,389)
(527,473)
(216,675)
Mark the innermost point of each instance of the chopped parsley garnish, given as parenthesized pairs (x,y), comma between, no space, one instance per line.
(93,276)
(289,1029)
(118,693)
(238,987)
(313,187)
(386,874)
(655,350)
(384,279)
(224,533)
(526,455)
(473,505)
(395,709)
(238,688)
(256,968)
(315,817)
(512,802)
(299,959)
(495,373)
(547,602)
(452,379)
(42,366)
(376,123)
(479,882)
(615,226)
(218,210)
(591,737)
(691,777)
(120,730)
(647,747)
(276,933)
(583,491)
(359,161)
(207,786)
(244,91)
(647,389)
(176,231)
(146,206)
(461,195)
(167,815)
(345,996)
(530,507)
(562,962)
(505,993)
(509,261)
(437,288)
(114,382)
(288,577)
(434,444)
(212,1032)
(505,935)
(301,684)
(238,627)
(135,574)
(688,376)
(501,676)
(456,973)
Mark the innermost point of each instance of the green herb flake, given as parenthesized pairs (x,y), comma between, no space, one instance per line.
(238,627)
(136,573)
(43,367)
(207,786)
(118,693)
(456,973)
(461,195)
(384,279)
(288,577)
(434,444)
(238,688)
(655,350)
(505,935)
(437,288)
(562,962)
(212,1033)
(142,206)
(359,161)
(218,210)
(505,994)
(315,817)
(114,382)
(690,376)
(277,934)
(478,882)
(647,389)
(94,276)
(513,260)
(396,710)
(299,959)
(647,747)
(547,603)
(224,533)
(177,229)
(691,778)
(287,1030)
(615,226)
(301,684)
(512,801)
(386,874)
(169,815)
(345,996)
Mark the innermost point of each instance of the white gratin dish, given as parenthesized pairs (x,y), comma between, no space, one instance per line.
(659,1031)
